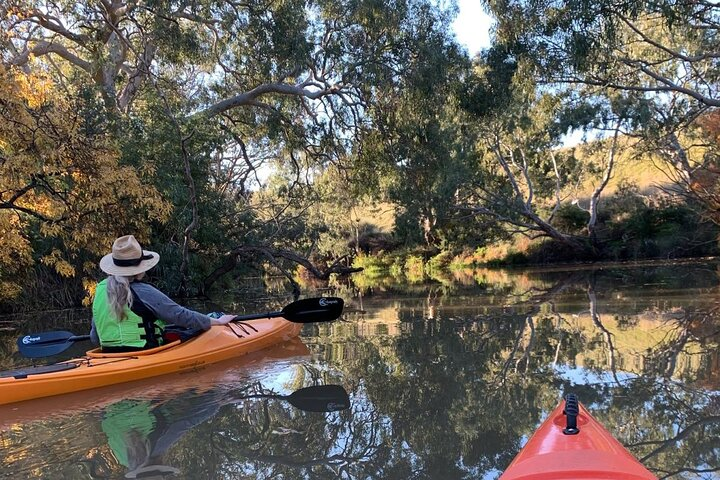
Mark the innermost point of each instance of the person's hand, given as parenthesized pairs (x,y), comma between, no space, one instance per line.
(224,320)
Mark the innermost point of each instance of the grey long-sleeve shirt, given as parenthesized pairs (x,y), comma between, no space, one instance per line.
(164,309)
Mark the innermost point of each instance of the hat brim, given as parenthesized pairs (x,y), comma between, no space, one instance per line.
(108,266)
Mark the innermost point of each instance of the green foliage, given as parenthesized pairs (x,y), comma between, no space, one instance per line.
(570,218)
(662,229)
(415,156)
(489,90)
(276,125)
(375,265)
(439,264)
(414,268)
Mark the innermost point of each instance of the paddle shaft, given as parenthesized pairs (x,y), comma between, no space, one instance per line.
(82,338)
(78,338)
(256,316)
(292,316)
(308,310)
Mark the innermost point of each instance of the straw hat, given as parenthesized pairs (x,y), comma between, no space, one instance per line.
(128,258)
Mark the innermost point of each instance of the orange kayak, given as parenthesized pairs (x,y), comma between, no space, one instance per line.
(225,375)
(574,446)
(97,369)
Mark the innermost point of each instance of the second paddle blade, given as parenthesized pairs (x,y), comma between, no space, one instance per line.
(320,398)
(309,310)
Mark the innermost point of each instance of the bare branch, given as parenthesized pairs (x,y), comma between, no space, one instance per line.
(43,48)
(248,98)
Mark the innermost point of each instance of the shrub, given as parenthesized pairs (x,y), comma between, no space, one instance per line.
(415,268)
(571,219)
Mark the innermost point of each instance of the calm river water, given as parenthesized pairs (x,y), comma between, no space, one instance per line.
(447,380)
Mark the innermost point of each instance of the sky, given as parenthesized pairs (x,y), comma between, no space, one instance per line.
(472,26)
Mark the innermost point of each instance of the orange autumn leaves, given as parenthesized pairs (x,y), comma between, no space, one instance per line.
(60,186)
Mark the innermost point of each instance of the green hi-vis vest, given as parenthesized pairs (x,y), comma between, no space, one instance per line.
(131,332)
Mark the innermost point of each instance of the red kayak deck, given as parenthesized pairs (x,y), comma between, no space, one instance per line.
(591,454)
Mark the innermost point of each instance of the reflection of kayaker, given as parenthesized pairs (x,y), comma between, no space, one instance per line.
(572,444)
(129,315)
(140,432)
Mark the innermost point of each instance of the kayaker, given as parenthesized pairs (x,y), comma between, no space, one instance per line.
(129,315)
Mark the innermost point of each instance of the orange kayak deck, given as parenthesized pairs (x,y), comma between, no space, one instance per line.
(96,370)
(591,454)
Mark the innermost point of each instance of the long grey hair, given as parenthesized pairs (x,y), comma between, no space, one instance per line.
(119,295)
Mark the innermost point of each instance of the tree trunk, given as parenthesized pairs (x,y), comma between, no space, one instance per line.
(595,197)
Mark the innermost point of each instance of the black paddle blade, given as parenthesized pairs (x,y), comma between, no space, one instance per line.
(47,344)
(310,310)
(320,398)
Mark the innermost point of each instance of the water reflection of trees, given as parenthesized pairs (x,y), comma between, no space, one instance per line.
(453,394)
(459,391)
(216,433)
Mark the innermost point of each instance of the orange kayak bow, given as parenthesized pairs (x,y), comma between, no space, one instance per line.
(571,444)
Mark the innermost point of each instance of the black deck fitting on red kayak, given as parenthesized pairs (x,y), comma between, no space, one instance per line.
(571,411)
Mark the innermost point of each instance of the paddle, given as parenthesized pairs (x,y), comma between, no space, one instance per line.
(48,343)
(307,310)
(318,398)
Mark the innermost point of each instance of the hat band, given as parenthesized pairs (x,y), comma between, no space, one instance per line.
(131,262)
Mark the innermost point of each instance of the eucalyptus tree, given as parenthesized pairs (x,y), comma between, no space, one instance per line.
(662,53)
(207,94)
(522,175)
(654,47)
(420,151)
(424,157)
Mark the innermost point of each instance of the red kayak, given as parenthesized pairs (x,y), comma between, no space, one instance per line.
(571,444)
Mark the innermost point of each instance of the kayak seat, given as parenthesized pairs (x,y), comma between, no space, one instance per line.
(176,332)
(98,353)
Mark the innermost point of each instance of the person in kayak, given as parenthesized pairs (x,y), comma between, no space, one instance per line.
(129,315)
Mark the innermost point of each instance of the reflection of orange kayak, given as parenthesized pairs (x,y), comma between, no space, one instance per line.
(574,446)
(229,374)
(96,369)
